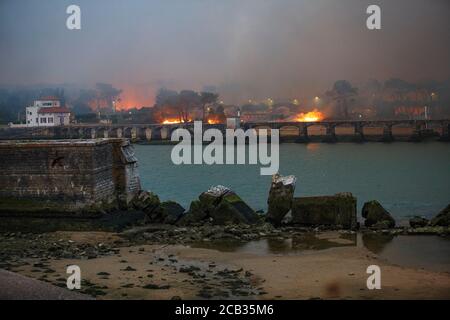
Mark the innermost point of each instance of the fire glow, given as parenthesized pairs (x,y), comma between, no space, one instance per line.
(312,116)
(172,121)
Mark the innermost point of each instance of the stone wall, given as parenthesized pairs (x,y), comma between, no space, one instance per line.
(66,176)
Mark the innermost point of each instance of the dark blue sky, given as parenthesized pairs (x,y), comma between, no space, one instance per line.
(249,49)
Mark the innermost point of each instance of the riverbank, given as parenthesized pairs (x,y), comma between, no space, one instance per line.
(324,264)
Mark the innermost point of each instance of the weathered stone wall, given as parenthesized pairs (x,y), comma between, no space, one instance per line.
(65,176)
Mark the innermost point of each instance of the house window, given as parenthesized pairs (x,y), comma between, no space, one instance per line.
(37,120)
(43,120)
(50,120)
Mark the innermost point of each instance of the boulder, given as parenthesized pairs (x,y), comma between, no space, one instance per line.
(418,222)
(246,214)
(146,201)
(280,197)
(196,214)
(376,215)
(171,211)
(442,218)
(220,205)
(225,214)
(338,211)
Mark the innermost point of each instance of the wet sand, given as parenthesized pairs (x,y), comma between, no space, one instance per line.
(176,271)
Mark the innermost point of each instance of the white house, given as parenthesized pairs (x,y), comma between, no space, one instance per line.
(47,112)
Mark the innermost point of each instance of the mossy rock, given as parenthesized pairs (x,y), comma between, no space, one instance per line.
(172,211)
(146,201)
(225,213)
(236,205)
(418,222)
(374,213)
(335,211)
(197,213)
(442,218)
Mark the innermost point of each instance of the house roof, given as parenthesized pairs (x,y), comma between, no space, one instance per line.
(54,110)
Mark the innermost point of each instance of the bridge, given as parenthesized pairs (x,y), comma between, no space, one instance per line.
(328,131)
(419,129)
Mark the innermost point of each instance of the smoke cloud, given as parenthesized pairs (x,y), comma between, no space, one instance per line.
(247,49)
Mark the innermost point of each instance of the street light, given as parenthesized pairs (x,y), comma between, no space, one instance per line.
(316,100)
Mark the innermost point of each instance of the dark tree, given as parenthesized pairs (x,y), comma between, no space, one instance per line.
(343,93)
(207,99)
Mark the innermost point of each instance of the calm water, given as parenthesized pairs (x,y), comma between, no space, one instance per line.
(407,178)
(427,252)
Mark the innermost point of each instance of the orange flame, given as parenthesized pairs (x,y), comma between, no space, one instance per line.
(172,121)
(311,116)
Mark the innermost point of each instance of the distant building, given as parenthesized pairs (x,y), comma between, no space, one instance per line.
(47,112)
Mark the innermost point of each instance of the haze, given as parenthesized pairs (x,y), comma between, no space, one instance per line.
(247,49)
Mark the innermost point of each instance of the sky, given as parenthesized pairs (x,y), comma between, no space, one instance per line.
(247,49)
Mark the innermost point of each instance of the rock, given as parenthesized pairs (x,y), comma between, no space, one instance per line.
(232,209)
(225,214)
(382,225)
(146,201)
(168,212)
(280,197)
(417,222)
(442,218)
(374,213)
(196,214)
(221,206)
(335,211)
(287,219)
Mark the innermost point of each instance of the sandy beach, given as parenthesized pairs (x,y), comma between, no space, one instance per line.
(184,272)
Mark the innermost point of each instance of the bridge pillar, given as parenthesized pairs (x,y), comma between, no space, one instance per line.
(417,132)
(359,131)
(330,133)
(387,133)
(148,134)
(302,133)
(93,133)
(445,136)
(105,133)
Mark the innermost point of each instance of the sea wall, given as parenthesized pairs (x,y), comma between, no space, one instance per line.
(76,177)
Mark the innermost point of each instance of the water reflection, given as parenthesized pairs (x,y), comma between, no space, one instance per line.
(295,244)
(376,242)
(429,252)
